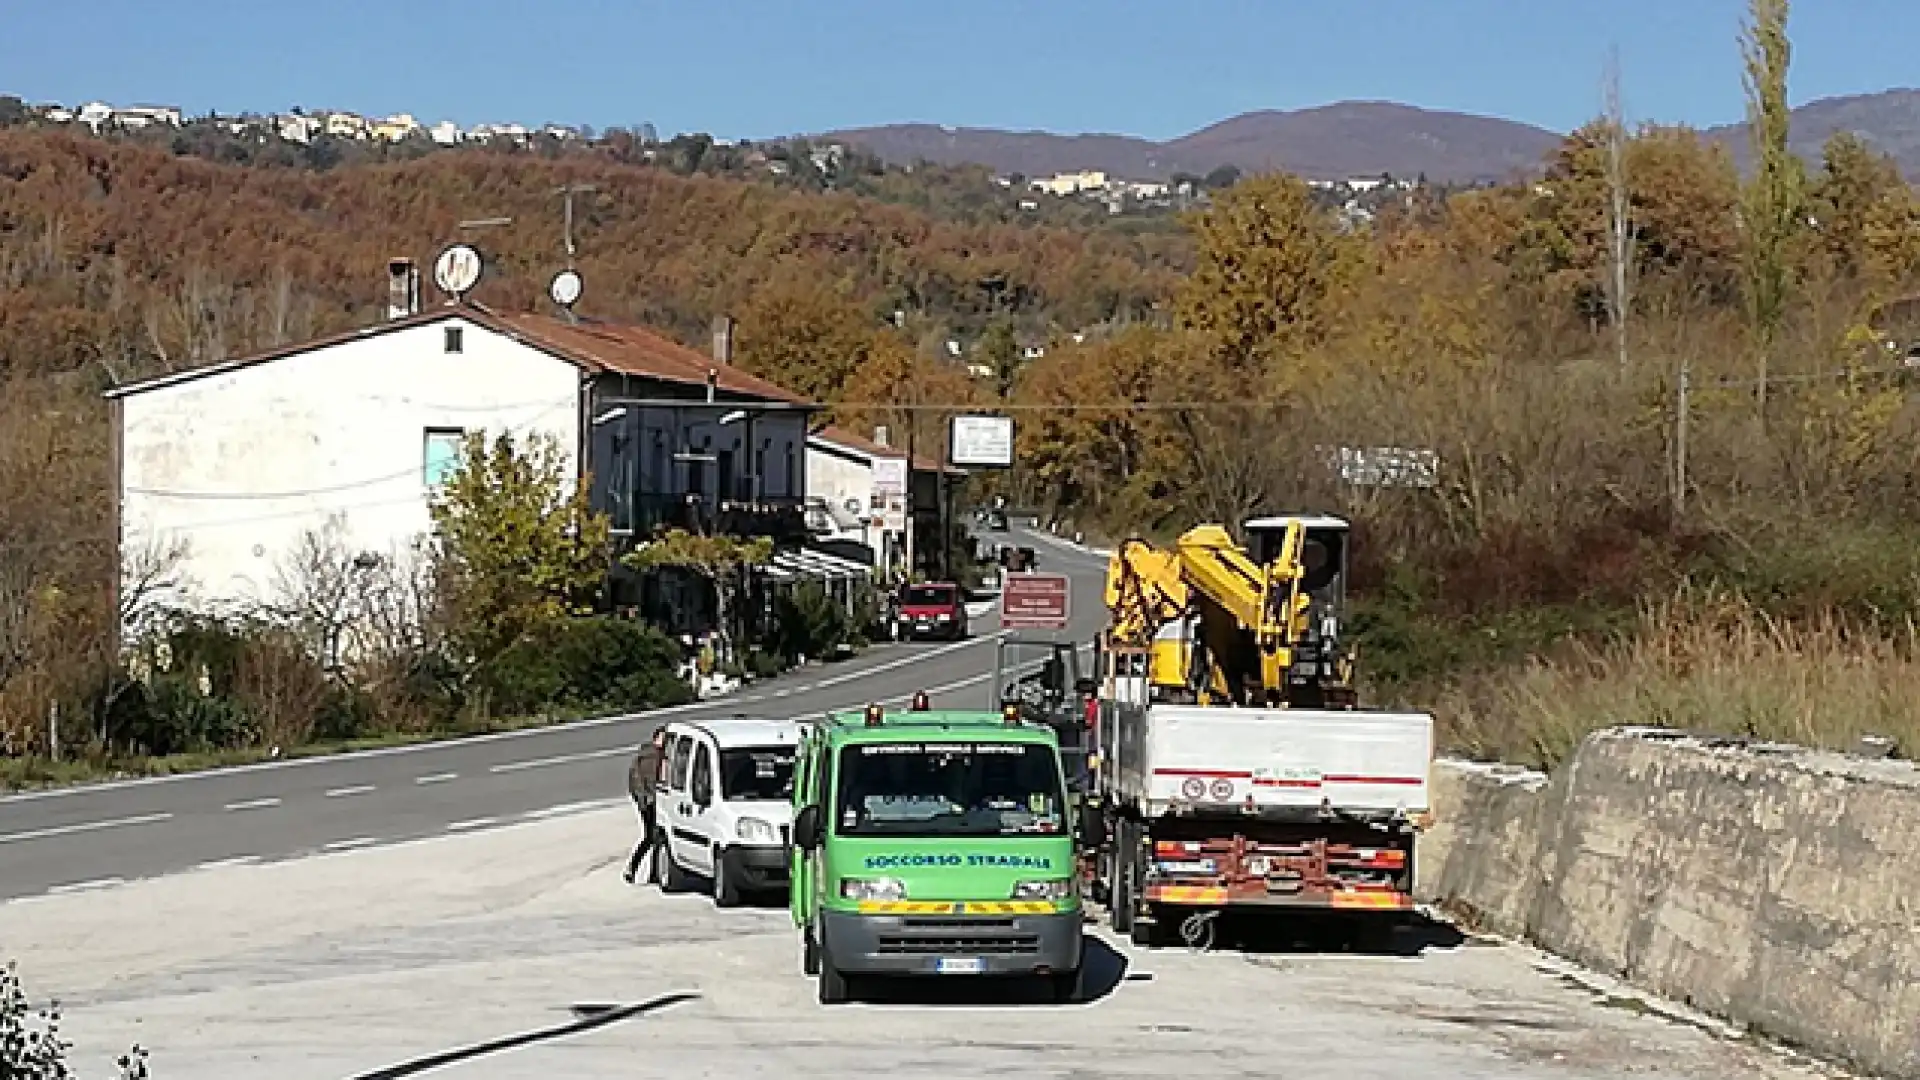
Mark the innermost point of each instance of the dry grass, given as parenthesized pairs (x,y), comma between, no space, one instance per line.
(1704,661)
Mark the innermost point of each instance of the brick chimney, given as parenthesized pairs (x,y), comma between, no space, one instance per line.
(403,288)
(723,340)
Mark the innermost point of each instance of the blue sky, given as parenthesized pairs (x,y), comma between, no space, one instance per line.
(751,68)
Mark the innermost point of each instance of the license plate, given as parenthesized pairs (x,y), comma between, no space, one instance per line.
(965,966)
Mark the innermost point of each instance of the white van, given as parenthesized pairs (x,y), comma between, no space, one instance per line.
(725,805)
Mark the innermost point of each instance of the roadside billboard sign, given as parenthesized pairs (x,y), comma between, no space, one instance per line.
(981,442)
(1034,602)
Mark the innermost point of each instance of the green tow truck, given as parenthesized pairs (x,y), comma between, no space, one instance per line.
(929,843)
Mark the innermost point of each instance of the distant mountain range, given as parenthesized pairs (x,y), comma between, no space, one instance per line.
(1352,138)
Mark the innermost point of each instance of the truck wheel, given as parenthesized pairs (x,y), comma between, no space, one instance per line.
(834,989)
(1150,934)
(672,878)
(726,892)
(1120,909)
(809,952)
(1124,861)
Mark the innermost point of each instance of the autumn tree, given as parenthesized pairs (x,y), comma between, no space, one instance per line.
(802,334)
(999,351)
(516,544)
(1272,267)
(1865,216)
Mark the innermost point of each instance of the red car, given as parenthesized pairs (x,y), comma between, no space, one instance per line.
(933,610)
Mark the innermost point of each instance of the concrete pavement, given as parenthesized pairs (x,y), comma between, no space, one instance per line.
(347,964)
(99,835)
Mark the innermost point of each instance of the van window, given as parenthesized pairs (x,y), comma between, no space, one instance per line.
(702,786)
(756,772)
(682,757)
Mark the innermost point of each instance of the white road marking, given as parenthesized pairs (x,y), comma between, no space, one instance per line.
(562,759)
(343,792)
(84,826)
(572,808)
(727,704)
(348,845)
(475,823)
(237,860)
(437,778)
(252,804)
(86,886)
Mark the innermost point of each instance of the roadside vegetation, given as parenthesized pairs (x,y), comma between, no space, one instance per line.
(30,1044)
(496,622)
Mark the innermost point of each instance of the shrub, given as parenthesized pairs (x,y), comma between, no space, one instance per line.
(811,622)
(598,663)
(30,1044)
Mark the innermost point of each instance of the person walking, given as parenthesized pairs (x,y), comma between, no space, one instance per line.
(643,779)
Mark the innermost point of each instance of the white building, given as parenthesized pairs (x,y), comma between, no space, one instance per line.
(139,116)
(446,133)
(228,467)
(94,114)
(296,128)
(857,490)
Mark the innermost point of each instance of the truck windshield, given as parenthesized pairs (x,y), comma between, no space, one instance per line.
(757,772)
(950,789)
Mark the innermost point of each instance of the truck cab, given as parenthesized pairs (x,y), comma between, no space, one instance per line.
(930,844)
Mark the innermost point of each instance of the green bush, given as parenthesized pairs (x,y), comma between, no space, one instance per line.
(587,664)
(765,665)
(811,622)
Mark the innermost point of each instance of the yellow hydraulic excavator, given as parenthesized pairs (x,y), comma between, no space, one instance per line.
(1219,624)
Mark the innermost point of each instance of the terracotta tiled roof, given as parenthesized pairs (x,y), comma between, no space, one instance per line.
(840,436)
(590,344)
(634,350)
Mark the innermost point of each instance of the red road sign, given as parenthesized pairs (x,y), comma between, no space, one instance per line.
(1034,602)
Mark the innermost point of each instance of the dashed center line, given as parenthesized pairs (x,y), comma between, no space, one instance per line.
(347,845)
(84,826)
(253,804)
(563,759)
(475,823)
(88,886)
(571,808)
(437,778)
(343,792)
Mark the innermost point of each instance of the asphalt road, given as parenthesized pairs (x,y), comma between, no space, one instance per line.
(101,835)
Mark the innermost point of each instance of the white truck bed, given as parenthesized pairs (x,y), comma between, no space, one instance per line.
(1361,761)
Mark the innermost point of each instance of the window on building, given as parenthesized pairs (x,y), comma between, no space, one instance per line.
(441,454)
(456,338)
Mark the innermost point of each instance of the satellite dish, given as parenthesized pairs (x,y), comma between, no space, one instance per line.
(565,289)
(457,270)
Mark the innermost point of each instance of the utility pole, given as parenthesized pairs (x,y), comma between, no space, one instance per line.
(567,191)
(1619,225)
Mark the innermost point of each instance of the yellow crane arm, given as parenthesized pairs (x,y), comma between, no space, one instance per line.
(1144,591)
(1264,599)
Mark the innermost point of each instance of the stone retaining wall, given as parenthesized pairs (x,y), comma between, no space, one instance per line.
(1775,887)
